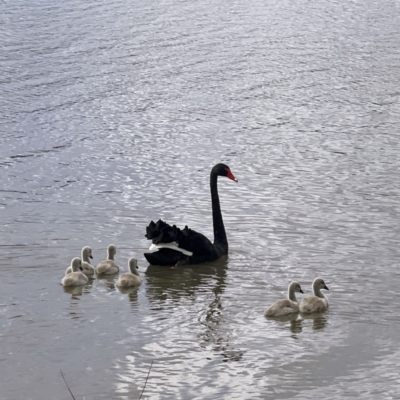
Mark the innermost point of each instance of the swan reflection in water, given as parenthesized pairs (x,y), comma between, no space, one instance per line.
(292,321)
(76,293)
(79,290)
(318,320)
(164,284)
(108,281)
(127,291)
(132,294)
(212,318)
(296,322)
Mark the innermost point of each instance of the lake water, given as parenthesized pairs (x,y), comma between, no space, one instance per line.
(113,113)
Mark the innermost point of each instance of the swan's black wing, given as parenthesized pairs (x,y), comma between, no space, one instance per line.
(166,257)
(161,232)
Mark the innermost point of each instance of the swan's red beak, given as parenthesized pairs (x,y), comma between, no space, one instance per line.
(231,176)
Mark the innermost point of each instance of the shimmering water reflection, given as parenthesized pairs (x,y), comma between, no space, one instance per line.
(113,114)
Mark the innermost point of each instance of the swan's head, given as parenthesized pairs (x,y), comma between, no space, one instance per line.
(319,284)
(133,266)
(86,253)
(112,250)
(295,287)
(223,170)
(76,264)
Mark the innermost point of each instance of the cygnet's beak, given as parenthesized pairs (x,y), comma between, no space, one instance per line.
(301,290)
(326,287)
(91,256)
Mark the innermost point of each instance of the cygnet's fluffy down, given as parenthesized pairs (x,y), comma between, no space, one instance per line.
(87,268)
(317,303)
(132,278)
(109,266)
(286,306)
(76,277)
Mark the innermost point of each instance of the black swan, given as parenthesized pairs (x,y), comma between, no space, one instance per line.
(173,246)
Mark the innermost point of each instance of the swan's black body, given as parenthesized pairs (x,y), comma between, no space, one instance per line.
(203,250)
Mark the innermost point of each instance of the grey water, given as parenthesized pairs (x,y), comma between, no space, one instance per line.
(113,113)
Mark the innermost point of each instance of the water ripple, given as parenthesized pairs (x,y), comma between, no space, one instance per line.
(112,115)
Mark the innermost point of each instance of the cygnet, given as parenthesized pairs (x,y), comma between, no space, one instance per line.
(109,266)
(132,278)
(87,268)
(286,306)
(317,303)
(76,277)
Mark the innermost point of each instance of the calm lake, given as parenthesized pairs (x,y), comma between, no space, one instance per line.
(113,113)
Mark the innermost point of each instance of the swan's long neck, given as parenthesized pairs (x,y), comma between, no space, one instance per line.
(85,257)
(291,294)
(110,255)
(133,269)
(220,240)
(75,265)
(318,293)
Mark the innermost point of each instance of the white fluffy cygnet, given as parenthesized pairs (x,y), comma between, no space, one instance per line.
(132,278)
(87,268)
(109,266)
(286,306)
(76,277)
(317,303)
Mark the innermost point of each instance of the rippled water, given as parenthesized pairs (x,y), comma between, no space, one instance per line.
(113,113)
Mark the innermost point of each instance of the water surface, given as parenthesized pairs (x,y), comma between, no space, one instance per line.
(113,113)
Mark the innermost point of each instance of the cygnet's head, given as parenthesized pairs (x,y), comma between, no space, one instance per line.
(112,251)
(133,266)
(319,284)
(295,287)
(76,264)
(86,253)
